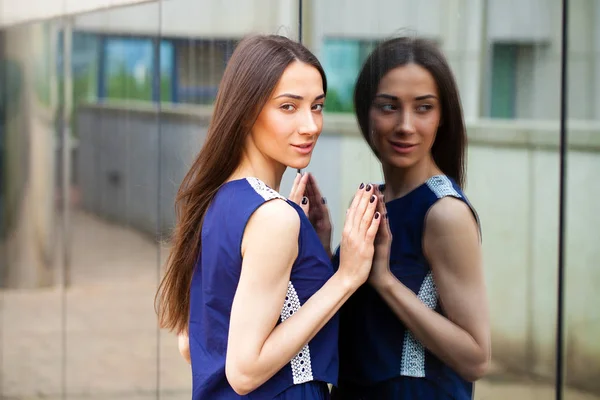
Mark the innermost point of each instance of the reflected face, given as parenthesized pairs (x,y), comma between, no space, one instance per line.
(290,123)
(405,116)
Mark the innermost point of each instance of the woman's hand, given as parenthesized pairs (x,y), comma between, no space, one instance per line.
(380,272)
(360,229)
(305,192)
(298,191)
(318,213)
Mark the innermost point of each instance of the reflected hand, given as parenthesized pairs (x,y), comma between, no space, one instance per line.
(318,213)
(297,194)
(383,242)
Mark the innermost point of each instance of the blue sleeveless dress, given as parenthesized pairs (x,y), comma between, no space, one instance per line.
(213,287)
(379,358)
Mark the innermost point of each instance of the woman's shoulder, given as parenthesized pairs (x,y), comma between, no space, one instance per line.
(274,215)
(272,229)
(276,212)
(451,216)
(450,204)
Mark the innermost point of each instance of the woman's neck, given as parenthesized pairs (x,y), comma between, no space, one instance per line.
(401,181)
(258,166)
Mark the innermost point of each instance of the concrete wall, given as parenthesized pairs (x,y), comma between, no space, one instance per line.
(513,177)
(127,156)
(520,21)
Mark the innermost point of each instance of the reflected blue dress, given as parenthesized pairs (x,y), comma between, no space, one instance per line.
(379,358)
(214,283)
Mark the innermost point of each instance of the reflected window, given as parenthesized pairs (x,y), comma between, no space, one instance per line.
(504,71)
(128,68)
(190,71)
(513,86)
(84,60)
(342,60)
(200,67)
(84,66)
(167,80)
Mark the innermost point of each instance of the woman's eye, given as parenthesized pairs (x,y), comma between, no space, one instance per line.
(288,107)
(424,107)
(387,107)
(318,107)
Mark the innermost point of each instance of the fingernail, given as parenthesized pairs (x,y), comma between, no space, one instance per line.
(324,200)
(368,187)
(385,216)
(377,215)
(372,199)
(305,200)
(382,187)
(362,185)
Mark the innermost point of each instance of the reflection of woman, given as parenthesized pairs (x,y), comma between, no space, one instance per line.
(248,277)
(419,329)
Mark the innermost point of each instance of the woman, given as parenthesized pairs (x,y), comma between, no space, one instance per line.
(419,329)
(247,276)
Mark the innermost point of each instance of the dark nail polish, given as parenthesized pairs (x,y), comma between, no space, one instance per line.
(305,200)
(385,216)
(377,215)
(362,185)
(368,187)
(324,200)
(382,187)
(372,199)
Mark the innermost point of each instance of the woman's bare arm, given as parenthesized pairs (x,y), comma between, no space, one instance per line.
(452,246)
(183,343)
(257,346)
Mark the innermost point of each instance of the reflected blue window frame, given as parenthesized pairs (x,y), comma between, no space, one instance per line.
(165,57)
(162,56)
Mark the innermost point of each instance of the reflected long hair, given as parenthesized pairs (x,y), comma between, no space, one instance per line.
(250,77)
(448,150)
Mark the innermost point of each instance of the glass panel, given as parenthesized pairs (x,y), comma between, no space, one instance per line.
(202,37)
(513,178)
(32,198)
(506,62)
(113,250)
(582,188)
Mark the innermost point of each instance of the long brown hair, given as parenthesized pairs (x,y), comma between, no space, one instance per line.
(448,150)
(250,77)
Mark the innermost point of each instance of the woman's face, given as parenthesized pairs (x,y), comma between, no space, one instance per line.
(290,123)
(405,116)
